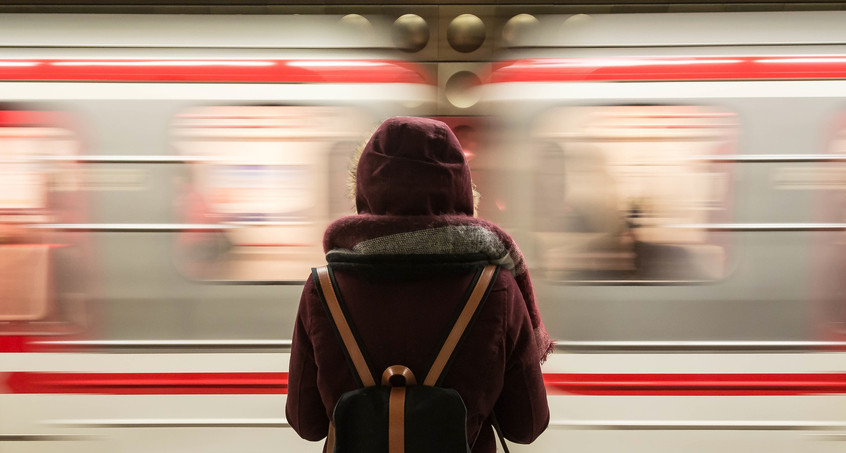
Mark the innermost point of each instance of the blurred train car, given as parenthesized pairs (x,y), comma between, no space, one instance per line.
(677,181)
(164,186)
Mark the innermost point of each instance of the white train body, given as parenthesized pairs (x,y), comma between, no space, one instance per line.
(675,181)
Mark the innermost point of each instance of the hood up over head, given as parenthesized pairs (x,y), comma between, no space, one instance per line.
(413,166)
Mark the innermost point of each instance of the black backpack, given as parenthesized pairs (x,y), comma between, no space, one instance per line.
(395,415)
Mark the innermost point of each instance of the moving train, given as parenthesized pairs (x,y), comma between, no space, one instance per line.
(674,180)
(687,221)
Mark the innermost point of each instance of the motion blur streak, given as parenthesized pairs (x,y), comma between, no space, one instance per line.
(676,183)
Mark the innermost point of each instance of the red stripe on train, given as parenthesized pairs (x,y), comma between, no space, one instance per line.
(281,71)
(668,69)
(14,343)
(695,384)
(147,383)
(556,383)
(33,343)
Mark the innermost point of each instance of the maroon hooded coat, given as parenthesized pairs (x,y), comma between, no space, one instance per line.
(403,267)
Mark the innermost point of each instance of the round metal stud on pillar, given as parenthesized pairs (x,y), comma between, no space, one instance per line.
(462,89)
(358,24)
(517,27)
(466,33)
(410,33)
(576,21)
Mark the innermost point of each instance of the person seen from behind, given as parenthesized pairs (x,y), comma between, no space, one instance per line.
(403,265)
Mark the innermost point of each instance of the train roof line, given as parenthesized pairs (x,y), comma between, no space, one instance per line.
(687,30)
(184,31)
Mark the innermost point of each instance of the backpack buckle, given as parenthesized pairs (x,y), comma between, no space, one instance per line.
(398,376)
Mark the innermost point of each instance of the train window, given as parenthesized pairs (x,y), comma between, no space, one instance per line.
(621,192)
(41,270)
(257,182)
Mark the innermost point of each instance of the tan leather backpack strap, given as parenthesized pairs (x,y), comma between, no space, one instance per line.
(330,438)
(396,420)
(328,292)
(476,296)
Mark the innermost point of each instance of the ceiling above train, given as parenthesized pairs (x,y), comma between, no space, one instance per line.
(369,6)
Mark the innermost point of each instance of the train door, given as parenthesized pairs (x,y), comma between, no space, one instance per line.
(825,177)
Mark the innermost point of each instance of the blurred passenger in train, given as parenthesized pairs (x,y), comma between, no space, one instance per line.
(579,226)
(403,266)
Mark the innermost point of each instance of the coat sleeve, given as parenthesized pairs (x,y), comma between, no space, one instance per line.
(304,407)
(522,409)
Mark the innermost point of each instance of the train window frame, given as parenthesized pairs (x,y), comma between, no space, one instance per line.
(32,231)
(315,217)
(718,178)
